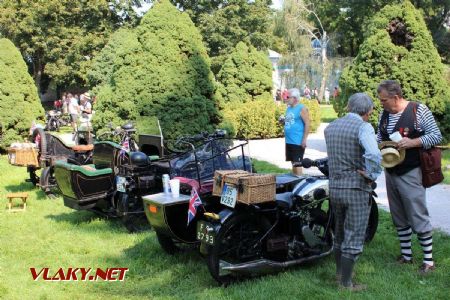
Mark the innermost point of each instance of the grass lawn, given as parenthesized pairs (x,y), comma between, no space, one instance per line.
(445,163)
(51,235)
(327,113)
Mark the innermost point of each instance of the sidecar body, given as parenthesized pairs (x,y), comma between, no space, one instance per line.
(88,186)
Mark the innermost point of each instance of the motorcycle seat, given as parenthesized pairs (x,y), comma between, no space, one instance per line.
(87,170)
(284,200)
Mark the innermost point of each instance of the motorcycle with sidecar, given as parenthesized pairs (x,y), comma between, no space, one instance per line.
(195,169)
(50,149)
(113,185)
(242,240)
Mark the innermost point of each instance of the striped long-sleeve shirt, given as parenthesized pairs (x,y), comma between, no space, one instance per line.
(425,123)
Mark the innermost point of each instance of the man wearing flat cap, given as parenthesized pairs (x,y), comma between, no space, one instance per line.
(415,128)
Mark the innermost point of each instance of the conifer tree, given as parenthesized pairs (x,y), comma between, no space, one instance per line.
(246,75)
(19,102)
(399,46)
(161,69)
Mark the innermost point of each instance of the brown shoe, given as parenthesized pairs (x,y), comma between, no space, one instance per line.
(355,287)
(402,260)
(426,268)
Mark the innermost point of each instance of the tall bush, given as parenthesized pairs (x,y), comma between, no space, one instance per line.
(259,119)
(161,70)
(19,101)
(246,75)
(398,46)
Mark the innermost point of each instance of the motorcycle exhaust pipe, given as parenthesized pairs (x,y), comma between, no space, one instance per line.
(264,266)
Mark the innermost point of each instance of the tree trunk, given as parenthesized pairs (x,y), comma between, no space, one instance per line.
(324,65)
(37,74)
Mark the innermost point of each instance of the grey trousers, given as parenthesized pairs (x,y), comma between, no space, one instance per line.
(407,201)
(351,208)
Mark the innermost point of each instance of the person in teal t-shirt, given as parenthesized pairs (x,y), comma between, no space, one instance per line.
(296,129)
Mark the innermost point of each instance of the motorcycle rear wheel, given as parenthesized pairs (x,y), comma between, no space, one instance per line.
(235,243)
(373,222)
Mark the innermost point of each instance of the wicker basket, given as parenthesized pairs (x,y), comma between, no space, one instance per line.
(23,157)
(219,177)
(253,188)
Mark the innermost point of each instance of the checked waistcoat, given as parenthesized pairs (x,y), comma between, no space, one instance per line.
(345,154)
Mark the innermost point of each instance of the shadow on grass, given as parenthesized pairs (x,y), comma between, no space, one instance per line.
(77,217)
(22,187)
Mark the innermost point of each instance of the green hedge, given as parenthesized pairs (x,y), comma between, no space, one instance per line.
(259,119)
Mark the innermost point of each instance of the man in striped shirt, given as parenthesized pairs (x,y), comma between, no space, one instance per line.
(405,192)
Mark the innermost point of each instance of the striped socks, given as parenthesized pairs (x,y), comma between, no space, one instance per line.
(404,235)
(426,241)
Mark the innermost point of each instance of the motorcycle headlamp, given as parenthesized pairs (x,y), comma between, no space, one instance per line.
(319,193)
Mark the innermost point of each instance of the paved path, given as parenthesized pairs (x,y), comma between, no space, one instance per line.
(272,150)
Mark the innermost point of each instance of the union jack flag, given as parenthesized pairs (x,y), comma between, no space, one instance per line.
(125,148)
(126,144)
(194,202)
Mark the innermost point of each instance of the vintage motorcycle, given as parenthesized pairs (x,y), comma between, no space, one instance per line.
(112,185)
(54,120)
(243,240)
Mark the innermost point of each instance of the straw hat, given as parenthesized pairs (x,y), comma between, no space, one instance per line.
(87,96)
(391,156)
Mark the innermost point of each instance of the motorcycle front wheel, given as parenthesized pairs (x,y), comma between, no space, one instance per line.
(238,241)
(48,184)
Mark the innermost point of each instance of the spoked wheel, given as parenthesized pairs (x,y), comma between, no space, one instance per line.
(48,182)
(34,179)
(238,241)
(373,222)
(132,212)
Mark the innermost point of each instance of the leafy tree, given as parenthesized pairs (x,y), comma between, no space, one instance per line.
(58,37)
(235,21)
(19,101)
(399,47)
(246,75)
(302,34)
(161,69)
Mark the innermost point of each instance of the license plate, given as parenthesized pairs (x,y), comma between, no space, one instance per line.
(206,233)
(229,196)
(120,184)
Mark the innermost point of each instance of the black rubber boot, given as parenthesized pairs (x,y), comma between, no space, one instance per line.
(337,258)
(347,265)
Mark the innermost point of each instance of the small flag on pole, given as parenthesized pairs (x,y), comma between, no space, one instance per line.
(194,202)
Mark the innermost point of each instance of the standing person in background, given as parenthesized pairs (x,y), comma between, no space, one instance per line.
(296,129)
(307,92)
(335,93)
(406,194)
(327,96)
(85,105)
(315,94)
(65,103)
(354,162)
(74,110)
(278,97)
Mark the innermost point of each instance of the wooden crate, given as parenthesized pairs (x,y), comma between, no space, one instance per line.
(219,177)
(253,188)
(23,157)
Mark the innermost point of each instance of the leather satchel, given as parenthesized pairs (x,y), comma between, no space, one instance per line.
(430,163)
